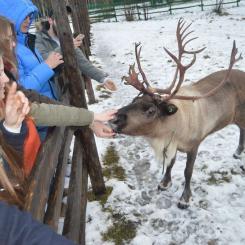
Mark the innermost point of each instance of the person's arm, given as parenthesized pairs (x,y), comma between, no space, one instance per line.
(14,138)
(88,69)
(42,48)
(19,228)
(60,115)
(35,78)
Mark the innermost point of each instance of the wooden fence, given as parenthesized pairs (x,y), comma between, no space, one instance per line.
(47,180)
(144,10)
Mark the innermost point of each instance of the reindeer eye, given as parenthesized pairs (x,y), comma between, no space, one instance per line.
(146,107)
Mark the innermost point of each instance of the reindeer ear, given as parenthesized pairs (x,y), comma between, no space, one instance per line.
(168,109)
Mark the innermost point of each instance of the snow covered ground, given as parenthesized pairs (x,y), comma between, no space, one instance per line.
(217,212)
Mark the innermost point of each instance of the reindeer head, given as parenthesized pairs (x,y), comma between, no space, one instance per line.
(141,115)
(155,104)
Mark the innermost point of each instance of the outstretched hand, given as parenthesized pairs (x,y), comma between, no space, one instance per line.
(105,116)
(78,40)
(16,107)
(110,85)
(101,130)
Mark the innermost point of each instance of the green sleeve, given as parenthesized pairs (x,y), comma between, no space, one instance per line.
(60,115)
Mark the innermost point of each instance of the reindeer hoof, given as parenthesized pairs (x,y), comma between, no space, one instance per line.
(162,187)
(182,204)
(239,154)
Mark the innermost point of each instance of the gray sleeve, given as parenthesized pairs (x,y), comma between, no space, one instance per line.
(60,115)
(88,69)
(41,47)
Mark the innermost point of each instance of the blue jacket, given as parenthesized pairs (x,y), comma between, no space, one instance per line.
(34,73)
(19,228)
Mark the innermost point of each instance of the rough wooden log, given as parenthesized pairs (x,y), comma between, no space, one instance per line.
(92,160)
(80,10)
(42,174)
(83,203)
(77,94)
(55,198)
(90,91)
(79,26)
(73,213)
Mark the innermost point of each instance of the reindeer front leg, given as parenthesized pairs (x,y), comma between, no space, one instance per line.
(240,151)
(186,195)
(166,181)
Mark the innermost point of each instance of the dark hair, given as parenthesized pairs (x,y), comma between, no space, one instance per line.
(45,26)
(50,13)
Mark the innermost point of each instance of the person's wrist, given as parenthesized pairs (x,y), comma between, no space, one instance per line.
(48,64)
(96,117)
(106,79)
(13,128)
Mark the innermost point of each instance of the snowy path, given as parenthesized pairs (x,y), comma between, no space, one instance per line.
(217,213)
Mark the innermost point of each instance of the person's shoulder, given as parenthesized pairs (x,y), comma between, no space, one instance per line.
(41,35)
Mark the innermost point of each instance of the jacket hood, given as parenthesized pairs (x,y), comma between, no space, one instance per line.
(17,10)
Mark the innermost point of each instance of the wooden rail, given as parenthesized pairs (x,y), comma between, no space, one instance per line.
(111,12)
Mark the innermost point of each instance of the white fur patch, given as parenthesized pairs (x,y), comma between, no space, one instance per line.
(158,145)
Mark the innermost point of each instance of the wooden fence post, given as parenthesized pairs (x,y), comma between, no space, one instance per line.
(77,95)
(79,9)
(42,174)
(202,5)
(52,214)
(81,24)
(73,213)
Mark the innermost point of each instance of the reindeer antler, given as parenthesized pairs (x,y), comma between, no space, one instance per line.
(133,79)
(171,91)
(233,60)
(144,86)
(180,69)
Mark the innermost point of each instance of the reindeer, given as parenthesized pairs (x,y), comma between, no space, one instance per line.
(179,118)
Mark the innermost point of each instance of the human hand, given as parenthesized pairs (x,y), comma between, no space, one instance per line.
(78,40)
(54,59)
(105,116)
(109,84)
(101,130)
(16,107)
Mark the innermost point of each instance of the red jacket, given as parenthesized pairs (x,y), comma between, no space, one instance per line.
(27,143)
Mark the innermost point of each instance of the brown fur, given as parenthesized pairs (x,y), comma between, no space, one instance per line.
(194,121)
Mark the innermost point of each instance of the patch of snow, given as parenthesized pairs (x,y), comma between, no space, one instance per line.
(217,212)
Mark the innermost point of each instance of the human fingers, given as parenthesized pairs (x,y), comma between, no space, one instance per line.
(109,84)
(26,107)
(11,91)
(21,96)
(107,132)
(77,43)
(110,114)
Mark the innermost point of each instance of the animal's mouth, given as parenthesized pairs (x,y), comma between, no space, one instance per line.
(116,125)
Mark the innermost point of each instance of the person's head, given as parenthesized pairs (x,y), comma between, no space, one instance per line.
(8,43)
(51,22)
(8,192)
(3,77)
(21,13)
(26,23)
(7,34)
